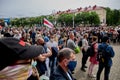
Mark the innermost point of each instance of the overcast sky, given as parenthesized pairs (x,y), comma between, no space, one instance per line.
(24,8)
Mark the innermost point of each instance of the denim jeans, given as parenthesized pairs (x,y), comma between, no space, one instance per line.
(106,72)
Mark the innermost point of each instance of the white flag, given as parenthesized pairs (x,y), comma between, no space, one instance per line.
(48,23)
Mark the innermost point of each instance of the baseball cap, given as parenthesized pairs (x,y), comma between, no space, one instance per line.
(19,47)
(13,49)
(46,39)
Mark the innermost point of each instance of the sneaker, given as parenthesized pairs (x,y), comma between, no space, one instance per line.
(85,67)
(82,69)
(92,76)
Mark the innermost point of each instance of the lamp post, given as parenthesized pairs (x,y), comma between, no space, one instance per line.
(73,19)
(54,18)
(41,22)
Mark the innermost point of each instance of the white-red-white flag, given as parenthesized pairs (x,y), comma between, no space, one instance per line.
(48,23)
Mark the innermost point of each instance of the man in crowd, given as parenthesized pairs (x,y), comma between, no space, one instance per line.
(41,66)
(105,60)
(53,45)
(85,56)
(70,43)
(15,58)
(66,62)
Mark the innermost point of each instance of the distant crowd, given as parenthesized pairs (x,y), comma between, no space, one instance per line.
(30,34)
(57,43)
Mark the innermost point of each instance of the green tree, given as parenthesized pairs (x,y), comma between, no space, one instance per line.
(39,20)
(65,19)
(60,19)
(69,19)
(119,18)
(109,17)
(15,22)
(50,18)
(94,19)
(78,18)
(87,18)
(116,17)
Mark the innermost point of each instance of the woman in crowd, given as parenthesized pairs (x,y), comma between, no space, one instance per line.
(93,59)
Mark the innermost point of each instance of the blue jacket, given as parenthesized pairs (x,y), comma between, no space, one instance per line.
(109,50)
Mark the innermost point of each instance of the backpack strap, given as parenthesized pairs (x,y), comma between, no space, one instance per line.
(101,56)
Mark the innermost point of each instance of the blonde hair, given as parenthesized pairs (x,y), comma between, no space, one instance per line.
(85,35)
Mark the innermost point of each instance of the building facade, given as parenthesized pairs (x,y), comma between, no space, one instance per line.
(98,9)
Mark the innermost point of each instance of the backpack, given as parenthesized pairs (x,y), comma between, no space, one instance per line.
(77,49)
(80,43)
(102,55)
(90,50)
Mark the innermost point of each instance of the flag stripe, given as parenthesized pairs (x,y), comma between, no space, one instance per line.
(48,23)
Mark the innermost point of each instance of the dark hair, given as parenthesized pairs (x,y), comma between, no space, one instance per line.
(94,38)
(7,35)
(64,53)
(105,38)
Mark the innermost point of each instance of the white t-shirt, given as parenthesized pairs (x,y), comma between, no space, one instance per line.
(85,44)
(52,44)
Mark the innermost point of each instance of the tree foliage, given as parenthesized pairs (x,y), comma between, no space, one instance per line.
(84,18)
(65,19)
(112,17)
(87,18)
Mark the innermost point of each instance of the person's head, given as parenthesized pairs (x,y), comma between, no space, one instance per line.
(94,38)
(71,36)
(85,35)
(14,49)
(16,32)
(66,58)
(105,39)
(40,41)
(7,35)
(51,37)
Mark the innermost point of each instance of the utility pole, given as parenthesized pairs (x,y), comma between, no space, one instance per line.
(54,20)
(73,20)
(41,22)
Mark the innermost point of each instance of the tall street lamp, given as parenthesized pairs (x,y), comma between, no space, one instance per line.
(73,21)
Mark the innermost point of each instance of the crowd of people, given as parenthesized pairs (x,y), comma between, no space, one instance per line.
(39,51)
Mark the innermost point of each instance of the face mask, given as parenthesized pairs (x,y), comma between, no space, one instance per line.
(51,40)
(34,63)
(72,65)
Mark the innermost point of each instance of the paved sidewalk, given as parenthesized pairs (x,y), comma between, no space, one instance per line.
(115,70)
